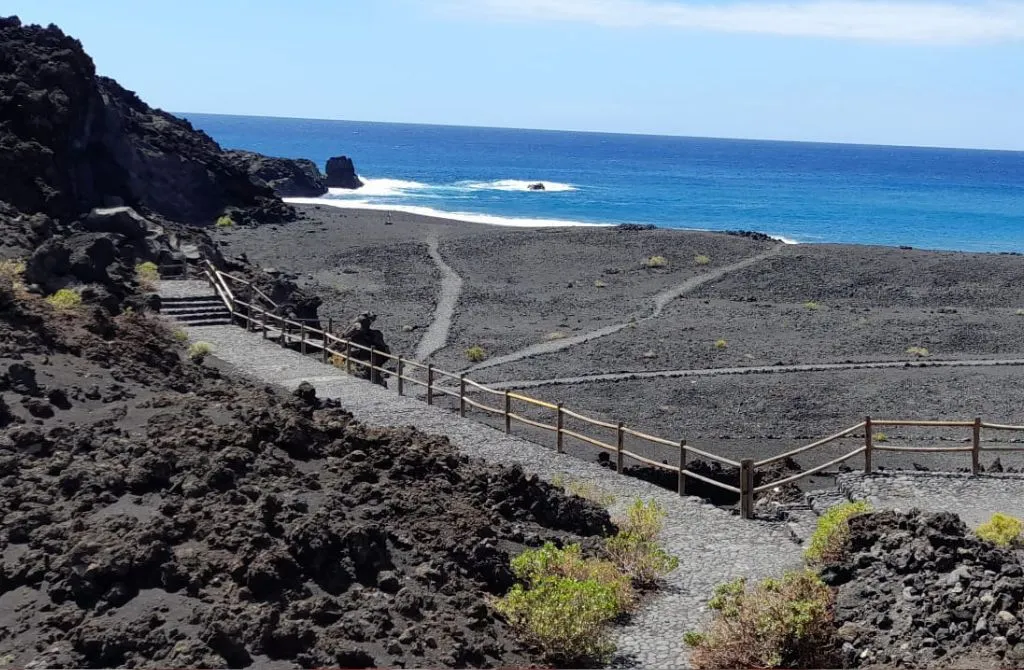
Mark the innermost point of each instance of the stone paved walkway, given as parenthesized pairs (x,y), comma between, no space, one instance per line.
(975,498)
(713,546)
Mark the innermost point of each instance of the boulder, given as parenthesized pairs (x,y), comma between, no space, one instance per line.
(289,178)
(539,186)
(341,173)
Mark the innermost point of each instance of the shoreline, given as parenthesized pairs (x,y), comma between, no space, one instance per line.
(505,221)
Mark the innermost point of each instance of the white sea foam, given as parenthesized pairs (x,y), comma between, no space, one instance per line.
(516,185)
(379,188)
(468,217)
(784,240)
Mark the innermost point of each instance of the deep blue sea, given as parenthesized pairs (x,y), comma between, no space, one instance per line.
(802,192)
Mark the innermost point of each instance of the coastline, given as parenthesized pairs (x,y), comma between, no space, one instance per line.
(495,220)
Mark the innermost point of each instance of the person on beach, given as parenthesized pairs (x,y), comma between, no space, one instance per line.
(362,334)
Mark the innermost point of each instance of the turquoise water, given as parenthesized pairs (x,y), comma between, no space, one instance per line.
(803,192)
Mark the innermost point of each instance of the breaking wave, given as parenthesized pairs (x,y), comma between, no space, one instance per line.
(380,188)
(516,185)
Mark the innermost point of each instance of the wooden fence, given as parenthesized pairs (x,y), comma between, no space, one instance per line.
(339,352)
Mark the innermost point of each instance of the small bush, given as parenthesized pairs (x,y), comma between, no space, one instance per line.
(780,623)
(588,491)
(475,354)
(565,618)
(1002,530)
(721,344)
(337,360)
(828,543)
(225,221)
(535,565)
(920,352)
(557,335)
(701,259)
(656,262)
(180,336)
(1019,312)
(147,271)
(199,351)
(65,299)
(635,548)
(812,306)
(12,269)
(599,284)
(879,437)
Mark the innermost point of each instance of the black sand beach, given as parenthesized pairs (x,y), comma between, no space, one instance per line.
(769,303)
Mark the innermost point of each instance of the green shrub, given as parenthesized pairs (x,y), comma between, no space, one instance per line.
(656,262)
(65,299)
(701,259)
(590,492)
(556,335)
(535,565)
(811,305)
(567,619)
(180,336)
(199,351)
(225,221)
(476,353)
(634,549)
(1002,530)
(920,352)
(829,539)
(780,623)
(721,344)
(879,437)
(1019,312)
(599,284)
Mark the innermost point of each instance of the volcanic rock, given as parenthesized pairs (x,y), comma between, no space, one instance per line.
(289,178)
(539,186)
(72,140)
(921,589)
(341,173)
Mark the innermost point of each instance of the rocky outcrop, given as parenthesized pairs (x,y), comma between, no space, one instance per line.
(289,178)
(920,590)
(72,140)
(341,173)
(539,186)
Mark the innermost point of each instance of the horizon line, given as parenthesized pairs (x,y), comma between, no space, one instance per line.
(606,132)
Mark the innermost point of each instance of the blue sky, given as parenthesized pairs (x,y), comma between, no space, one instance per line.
(919,72)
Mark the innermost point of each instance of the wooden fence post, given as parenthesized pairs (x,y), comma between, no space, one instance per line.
(508,413)
(618,447)
(248,317)
(430,384)
(348,356)
(302,332)
(400,380)
(323,351)
(682,467)
(263,323)
(868,446)
(747,488)
(462,394)
(373,372)
(284,333)
(976,447)
(558,430)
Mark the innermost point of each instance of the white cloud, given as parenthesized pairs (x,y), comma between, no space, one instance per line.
(902,21)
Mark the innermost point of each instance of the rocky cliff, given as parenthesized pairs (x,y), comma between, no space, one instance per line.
(71,140)
(287,177)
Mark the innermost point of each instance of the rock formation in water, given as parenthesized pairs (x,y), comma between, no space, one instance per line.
(341,173)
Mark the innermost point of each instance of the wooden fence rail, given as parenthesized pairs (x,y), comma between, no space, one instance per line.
(339,352)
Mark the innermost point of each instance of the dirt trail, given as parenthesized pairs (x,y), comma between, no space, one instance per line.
(436,336)
(657,306)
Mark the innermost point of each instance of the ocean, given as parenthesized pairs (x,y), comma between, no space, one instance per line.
(953,199)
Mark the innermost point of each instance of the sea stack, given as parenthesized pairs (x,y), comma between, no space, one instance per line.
(341,173)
